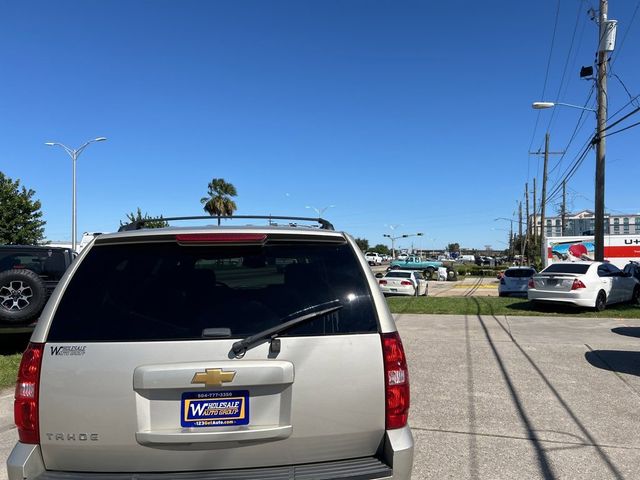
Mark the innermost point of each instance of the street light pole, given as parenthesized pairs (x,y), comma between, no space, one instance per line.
(393,240)
(74,154)
(319,211)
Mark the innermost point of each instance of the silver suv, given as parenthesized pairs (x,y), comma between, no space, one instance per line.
(215,353)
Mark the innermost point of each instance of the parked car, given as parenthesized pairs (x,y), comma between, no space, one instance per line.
(188,353)
(403,282)
(515,280)
(583,283)
(373,258)
(28,275)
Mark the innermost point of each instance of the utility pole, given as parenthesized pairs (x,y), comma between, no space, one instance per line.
(563,212)
(520,232)
(601,84)
(543,199)
(526,240)
(535,222)
(511,242)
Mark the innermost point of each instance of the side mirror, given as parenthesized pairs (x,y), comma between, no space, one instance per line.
(379,275)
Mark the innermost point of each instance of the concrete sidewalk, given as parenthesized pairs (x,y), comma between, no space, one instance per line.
(524,397)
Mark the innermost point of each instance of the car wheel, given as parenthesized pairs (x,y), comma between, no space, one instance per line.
(601,301)
(428,273)
(502,294)
(635,297)
(22,296)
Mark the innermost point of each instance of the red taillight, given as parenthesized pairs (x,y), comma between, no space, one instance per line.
(577,284)
(396,377)
(406,283)
(234,238)
(25,406)
(531,284)
(382,282)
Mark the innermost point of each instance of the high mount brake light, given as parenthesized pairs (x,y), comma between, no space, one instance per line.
(221,238)
(396,376)
(577,284)
(25,406)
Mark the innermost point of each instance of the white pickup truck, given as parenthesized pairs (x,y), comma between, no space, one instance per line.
(374,258)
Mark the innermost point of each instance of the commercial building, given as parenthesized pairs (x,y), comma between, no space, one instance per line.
(583,223)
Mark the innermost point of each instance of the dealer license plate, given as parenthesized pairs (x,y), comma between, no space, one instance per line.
(214,409)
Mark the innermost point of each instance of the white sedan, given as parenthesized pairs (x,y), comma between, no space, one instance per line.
(403,282)
(584,284)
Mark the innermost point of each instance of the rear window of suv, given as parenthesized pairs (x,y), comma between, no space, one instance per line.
(50,264)
(165,291)
(519,272)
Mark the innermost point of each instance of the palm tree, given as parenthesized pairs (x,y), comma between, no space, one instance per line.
(218,202)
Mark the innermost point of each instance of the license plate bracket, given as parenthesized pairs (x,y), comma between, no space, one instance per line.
(214,409)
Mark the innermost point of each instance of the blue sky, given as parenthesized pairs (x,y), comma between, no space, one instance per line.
(398,113)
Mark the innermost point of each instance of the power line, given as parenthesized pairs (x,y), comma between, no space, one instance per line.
(544,87)
(626,32)
(566,64)
(579,124)
(622,129)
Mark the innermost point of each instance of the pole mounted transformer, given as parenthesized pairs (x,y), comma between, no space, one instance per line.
(608,36)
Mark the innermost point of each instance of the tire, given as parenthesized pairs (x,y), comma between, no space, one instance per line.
(601,301)
(22,296)
(428,273)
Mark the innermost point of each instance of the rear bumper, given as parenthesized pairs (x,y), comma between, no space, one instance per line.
(573,298)
(25,463)
(397,290)
(512,289)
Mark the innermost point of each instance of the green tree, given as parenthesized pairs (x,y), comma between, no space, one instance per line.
(138,216)
(453,247)
(382,249)
(362,243)
(219,202)
(20,215)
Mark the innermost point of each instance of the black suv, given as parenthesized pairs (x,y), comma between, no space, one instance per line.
(28,275)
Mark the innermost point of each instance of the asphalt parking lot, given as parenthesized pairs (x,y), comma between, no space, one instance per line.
(516,397)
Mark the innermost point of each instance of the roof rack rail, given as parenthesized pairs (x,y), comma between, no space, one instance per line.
(139,224)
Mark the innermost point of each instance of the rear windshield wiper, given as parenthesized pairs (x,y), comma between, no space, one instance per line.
(240,347)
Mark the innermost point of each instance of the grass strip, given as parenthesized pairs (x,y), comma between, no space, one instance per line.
(502,306)
(9,369)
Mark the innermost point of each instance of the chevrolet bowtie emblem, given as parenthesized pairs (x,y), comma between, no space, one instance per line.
(213,377)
